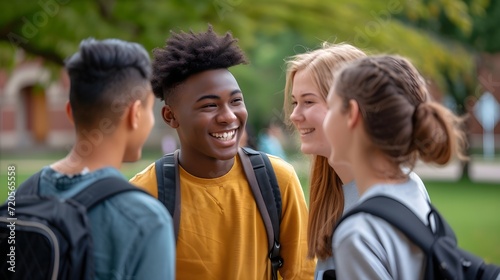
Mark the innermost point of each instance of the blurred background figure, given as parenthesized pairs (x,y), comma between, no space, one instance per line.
(248,138)
(270,140)
(168,144)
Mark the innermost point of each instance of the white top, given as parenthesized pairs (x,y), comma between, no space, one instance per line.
(367,247)
(351,198)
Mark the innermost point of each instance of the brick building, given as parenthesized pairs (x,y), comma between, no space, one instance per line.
(32,110)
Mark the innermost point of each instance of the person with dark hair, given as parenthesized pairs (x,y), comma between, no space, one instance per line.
(221,233)
(380,118)
(111,107)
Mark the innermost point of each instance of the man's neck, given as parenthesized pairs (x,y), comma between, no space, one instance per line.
(205,167)
(91,157)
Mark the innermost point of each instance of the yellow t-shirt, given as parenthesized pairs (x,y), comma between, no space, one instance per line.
(221,232)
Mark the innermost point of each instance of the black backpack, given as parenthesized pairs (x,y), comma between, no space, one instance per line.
(262,180)
(44,237)
(444,259)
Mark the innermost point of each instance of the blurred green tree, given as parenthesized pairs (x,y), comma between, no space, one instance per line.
(269,31)
(470,23)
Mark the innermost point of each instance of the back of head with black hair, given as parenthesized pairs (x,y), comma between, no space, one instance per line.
(186,54)
(106,76)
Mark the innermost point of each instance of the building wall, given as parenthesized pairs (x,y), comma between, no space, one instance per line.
(21,127)
(489,80)
(30,121)
(32,109)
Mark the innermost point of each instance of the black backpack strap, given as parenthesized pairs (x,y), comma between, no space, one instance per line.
(168,180)
(88,197)
(30,186)
(401,217)
(398,215)
(264,185)
(274,186)
(160,182)
(103,189)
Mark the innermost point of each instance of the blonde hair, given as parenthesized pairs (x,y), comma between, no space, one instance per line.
(326,199)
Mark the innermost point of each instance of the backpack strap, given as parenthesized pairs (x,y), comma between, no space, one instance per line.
(169,192)
(30,186)
(103,189)
(89,196)
(264,185)
(400,216)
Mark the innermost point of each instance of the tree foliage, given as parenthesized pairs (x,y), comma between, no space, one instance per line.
(472,24)
(269,31)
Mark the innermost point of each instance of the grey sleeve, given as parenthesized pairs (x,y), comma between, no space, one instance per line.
(356,257)
(367,247)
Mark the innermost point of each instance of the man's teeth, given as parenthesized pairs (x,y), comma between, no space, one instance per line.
(225,136)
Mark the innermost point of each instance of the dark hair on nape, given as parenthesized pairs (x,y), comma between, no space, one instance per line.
(186,54)
(106,76)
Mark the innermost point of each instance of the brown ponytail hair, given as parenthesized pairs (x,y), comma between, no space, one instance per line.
(389,90)
(436,136)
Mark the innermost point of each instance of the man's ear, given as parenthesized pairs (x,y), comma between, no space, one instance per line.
(69,113)
(354,115)
(134,114)
(169,117)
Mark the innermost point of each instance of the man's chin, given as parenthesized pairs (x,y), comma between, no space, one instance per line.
(226,154)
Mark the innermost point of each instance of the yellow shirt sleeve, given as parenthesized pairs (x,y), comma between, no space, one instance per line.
(146,179)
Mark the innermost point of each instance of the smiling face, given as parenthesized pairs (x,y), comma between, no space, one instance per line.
(309,110)
(209,115)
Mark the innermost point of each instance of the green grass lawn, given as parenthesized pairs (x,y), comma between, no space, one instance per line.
(472,209)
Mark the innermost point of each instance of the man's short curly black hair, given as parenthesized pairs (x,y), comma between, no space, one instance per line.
(186,54)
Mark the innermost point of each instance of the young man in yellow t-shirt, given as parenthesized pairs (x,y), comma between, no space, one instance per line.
(221,233)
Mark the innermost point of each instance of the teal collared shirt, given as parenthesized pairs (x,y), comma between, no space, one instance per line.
(132,232)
